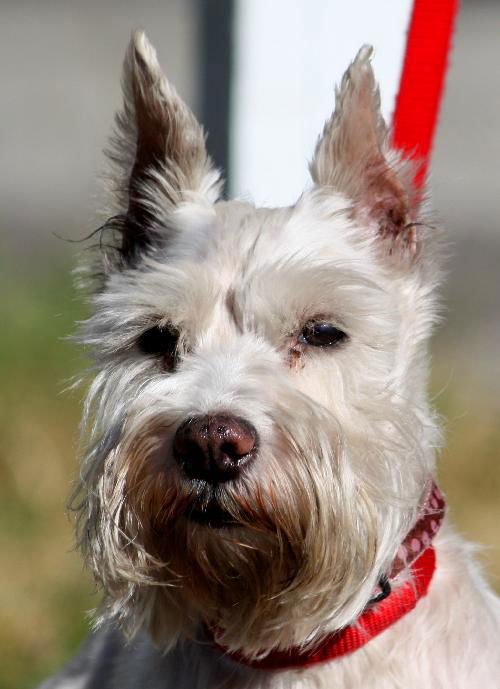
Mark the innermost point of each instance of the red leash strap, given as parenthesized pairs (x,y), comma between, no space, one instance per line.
(422,80)
(371,623)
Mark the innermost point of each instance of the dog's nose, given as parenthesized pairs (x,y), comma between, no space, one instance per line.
(214,447)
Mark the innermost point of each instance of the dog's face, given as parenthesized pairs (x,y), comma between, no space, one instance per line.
(259,433)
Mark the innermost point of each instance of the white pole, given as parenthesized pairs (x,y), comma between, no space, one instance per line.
(288,56)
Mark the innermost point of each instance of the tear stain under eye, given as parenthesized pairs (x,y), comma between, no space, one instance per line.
(295,359)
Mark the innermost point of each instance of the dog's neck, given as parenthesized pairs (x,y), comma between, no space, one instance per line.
(415,555)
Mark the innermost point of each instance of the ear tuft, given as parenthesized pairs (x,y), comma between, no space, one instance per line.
(143,52)
(159,149)
(353,157)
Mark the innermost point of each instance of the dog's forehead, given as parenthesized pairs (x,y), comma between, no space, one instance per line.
(237,239)
(300,256)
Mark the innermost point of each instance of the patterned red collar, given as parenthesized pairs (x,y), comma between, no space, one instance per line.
(386,607)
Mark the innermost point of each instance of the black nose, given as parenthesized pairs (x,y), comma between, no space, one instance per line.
(214,447)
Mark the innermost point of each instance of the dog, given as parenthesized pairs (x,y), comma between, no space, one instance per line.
(257,500)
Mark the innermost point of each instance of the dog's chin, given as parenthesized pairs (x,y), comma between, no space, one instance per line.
(211,515)
(208,506)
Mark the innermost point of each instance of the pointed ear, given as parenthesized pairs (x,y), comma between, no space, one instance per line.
(159,147)
(353,157)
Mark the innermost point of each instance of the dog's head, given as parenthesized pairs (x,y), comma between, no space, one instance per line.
(259,437)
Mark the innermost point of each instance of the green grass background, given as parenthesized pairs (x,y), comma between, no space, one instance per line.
(44,594)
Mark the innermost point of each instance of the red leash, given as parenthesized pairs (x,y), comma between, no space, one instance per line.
(422,80)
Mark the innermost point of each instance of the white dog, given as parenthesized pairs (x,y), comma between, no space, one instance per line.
(257,501)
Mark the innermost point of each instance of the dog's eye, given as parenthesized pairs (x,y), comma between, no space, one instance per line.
(161,341)
(321,334)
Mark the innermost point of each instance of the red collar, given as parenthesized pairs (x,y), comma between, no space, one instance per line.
(416,554)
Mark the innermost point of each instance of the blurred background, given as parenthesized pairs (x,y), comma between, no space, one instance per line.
(59,76)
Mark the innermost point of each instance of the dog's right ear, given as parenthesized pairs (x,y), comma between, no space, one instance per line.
(353,157)
(159,149)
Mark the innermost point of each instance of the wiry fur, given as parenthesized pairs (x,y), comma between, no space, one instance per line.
(347,438)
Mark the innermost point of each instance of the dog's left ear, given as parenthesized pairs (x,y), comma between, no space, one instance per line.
(159,149)
(353,157)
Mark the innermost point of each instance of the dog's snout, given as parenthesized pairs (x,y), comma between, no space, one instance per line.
(214,447)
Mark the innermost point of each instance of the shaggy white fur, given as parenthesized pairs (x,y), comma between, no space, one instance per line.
(222,293)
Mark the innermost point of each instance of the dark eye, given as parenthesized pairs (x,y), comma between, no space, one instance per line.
(322,334)
(161,341)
